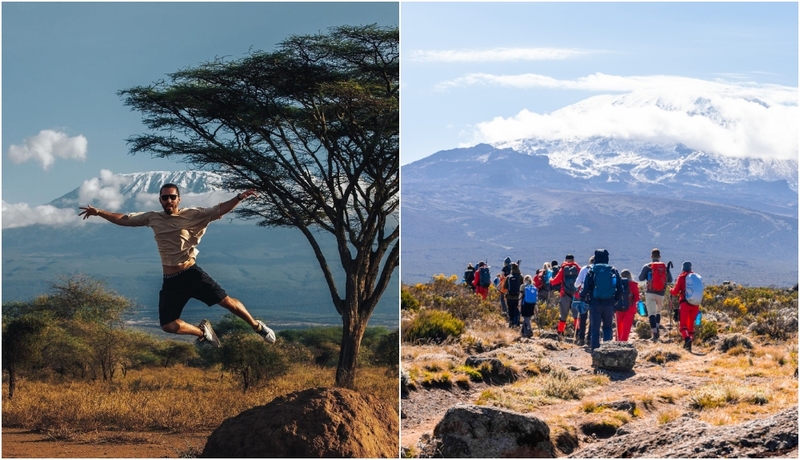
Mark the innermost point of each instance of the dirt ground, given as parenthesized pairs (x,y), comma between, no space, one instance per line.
(424,408)
(23,443)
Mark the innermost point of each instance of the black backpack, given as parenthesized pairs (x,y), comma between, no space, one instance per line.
(469,276)
(570,275)
(622,301)
(485,277)
(514,283)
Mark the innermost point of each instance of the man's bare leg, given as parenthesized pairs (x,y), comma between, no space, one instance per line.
(181,327)
(237,308)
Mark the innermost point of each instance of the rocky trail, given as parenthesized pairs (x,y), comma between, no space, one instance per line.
(424,408)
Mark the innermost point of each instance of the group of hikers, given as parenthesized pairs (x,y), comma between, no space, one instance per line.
(596,293)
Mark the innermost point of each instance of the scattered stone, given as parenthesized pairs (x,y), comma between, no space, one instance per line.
(688,437)
(475,431)
(615,356)
(624,405)
(498,371)
(547,335)
(319,422)
(726,342)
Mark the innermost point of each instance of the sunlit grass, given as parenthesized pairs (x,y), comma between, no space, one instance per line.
(176,399)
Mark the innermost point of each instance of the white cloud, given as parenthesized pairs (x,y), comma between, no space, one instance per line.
(104,189)
(740,120)
(48,145)
(496,55)
(22,215)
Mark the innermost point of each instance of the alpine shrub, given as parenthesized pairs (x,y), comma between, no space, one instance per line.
(433,325)
(407,301)
(730,341)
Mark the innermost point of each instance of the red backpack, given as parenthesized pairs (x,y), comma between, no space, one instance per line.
(658,276)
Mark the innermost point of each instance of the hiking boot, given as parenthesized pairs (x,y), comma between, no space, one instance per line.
(208,334)
(687,344)
(655,335)
(560,336)
(265,332)
(580,342)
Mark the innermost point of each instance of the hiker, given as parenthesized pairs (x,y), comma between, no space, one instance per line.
(580,326)
(500,285)
(544,278)
(565,278)
(625,317)
(688,283)
(177,234)
(657,275)
(469,277)
(601,290)
(528,305)
(506,266)
(483,278)
(513,285)
(555,269)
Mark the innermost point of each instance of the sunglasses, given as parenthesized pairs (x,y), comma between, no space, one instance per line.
(169,197)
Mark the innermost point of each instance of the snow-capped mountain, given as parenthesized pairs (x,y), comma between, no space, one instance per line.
(139,191)
(651,163)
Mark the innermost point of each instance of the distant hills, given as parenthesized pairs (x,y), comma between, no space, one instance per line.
(735,219)
(273,271)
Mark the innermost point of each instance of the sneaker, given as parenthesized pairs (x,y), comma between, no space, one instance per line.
(264,331)
(208,334)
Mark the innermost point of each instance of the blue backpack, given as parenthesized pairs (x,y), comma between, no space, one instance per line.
(531,294)
(605,283)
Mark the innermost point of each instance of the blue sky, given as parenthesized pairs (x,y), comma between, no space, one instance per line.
(489,72)
(63,64)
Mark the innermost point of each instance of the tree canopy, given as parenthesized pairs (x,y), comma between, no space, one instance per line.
(312,126)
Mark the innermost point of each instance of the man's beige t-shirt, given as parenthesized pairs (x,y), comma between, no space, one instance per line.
(177,236)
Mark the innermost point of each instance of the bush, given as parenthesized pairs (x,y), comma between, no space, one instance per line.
(730,341)
(708,330)
(433,325)
(779,325)
(643,330)
(407,301)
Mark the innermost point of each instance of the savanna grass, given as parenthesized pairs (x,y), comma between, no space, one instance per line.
(177,399)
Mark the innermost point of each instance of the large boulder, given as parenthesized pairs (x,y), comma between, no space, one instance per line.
(687,437)
(615,356)
(320,422)
(474,431)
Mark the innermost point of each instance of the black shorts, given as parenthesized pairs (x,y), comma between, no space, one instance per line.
(178,289)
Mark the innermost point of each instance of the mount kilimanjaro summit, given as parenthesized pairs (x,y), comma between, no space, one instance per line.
(537,200)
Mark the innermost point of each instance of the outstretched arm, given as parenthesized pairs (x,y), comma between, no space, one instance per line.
(113,217)
(227,206)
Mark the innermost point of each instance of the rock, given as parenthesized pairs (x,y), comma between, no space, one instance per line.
(498,373)
(688,437)
(614,356)
(624,405)
(547,335)
(320,422)
(476,431)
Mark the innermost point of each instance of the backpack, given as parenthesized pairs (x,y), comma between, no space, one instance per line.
(514,283)
(570,275)
(501,286)
(657,281)
(546,279)
(555,272)
(531,294)
(485,277)
(694,288)
(623,302)
(604,282)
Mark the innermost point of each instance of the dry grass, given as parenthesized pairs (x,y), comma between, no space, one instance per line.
(178,399)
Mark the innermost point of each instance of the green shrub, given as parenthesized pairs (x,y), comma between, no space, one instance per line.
(706,331)
(407,301)
(433,325)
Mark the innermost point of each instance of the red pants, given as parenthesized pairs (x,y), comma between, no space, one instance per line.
(688,313)
(482,291)
(624,323)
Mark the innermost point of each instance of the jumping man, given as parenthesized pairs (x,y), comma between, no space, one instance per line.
(177,234)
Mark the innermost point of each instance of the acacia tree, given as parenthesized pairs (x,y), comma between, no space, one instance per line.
(313,126)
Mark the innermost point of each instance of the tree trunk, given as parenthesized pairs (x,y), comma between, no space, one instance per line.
(352,333)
